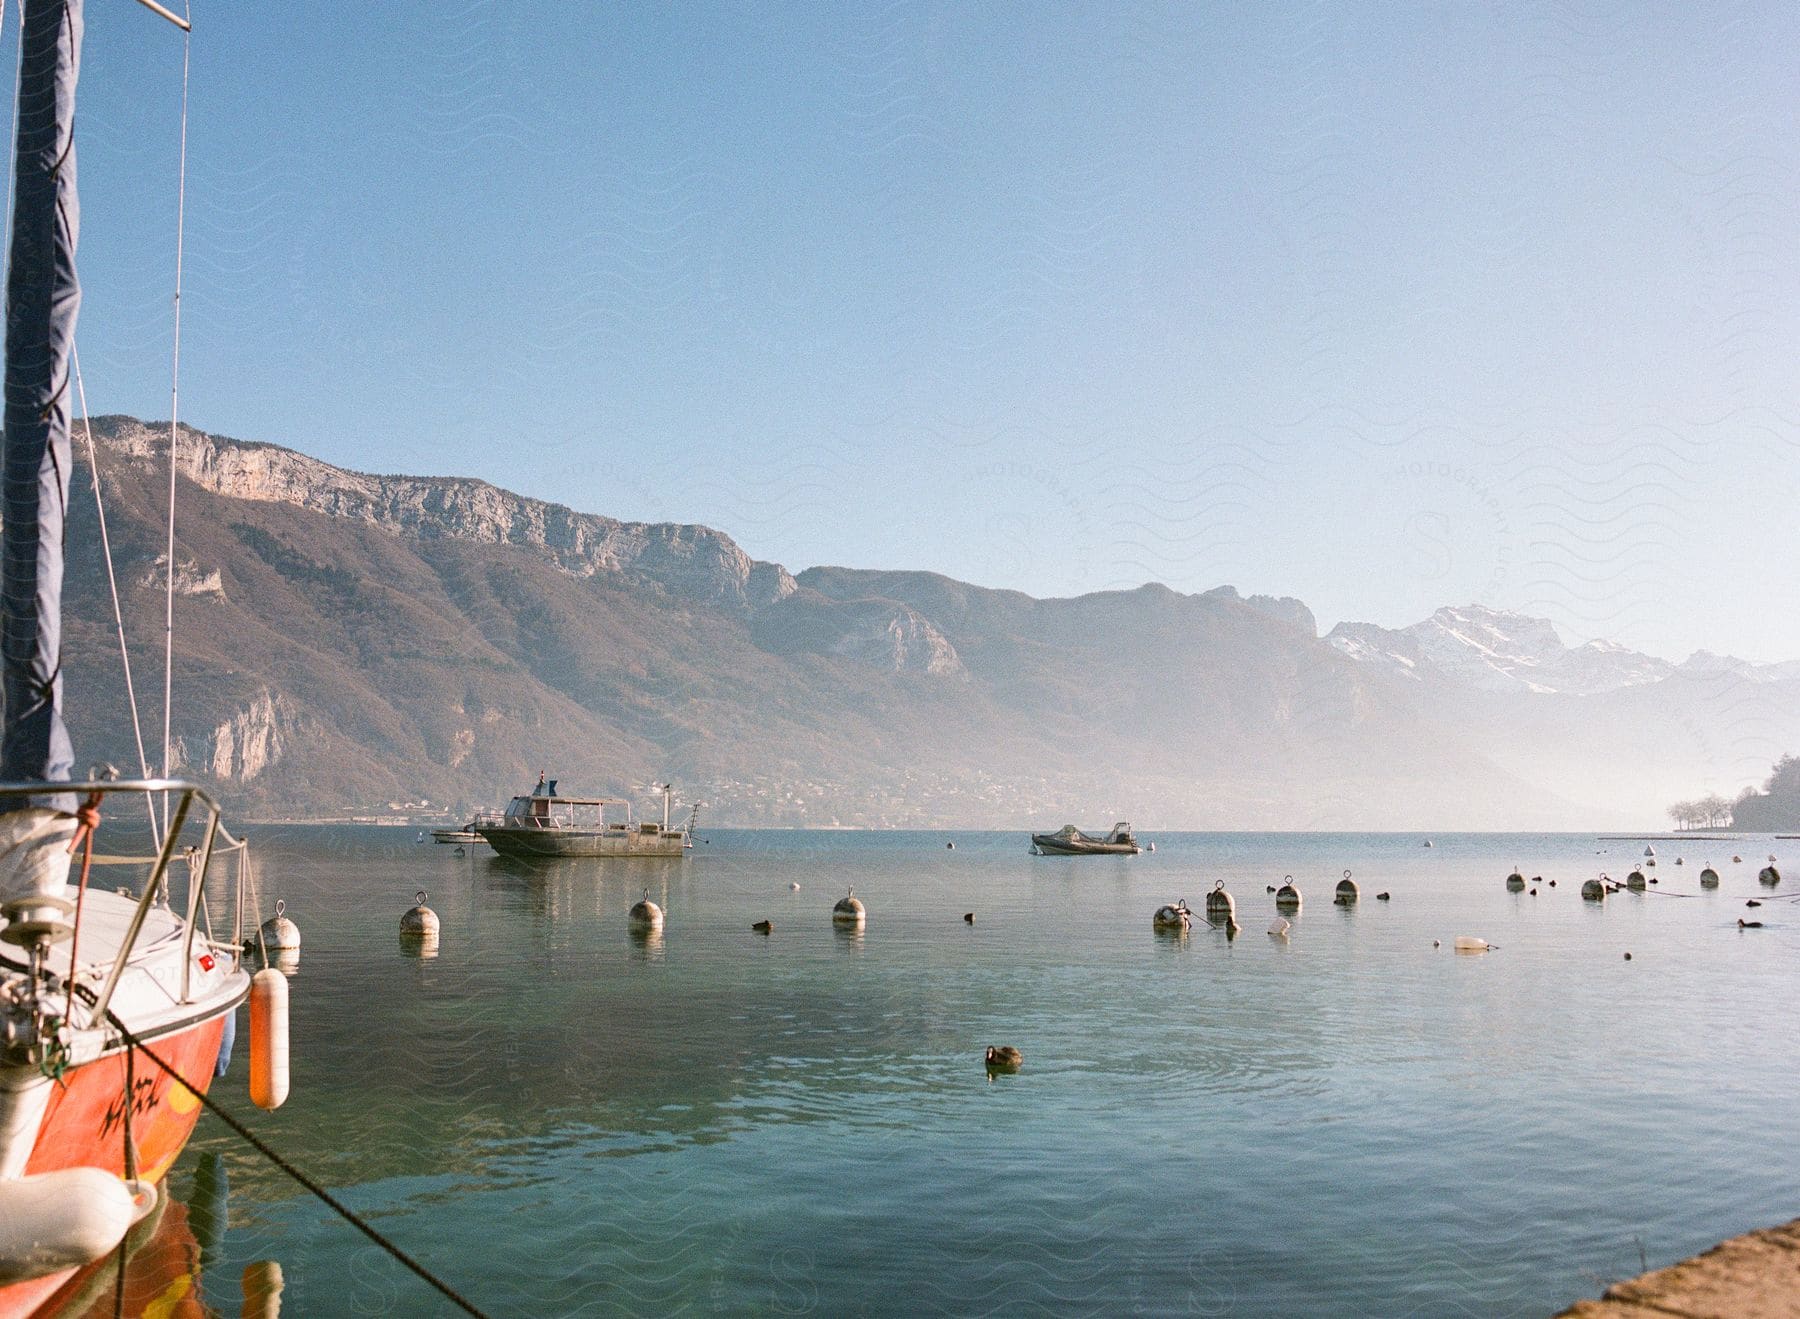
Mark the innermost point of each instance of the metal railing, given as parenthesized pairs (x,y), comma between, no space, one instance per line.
(187,794)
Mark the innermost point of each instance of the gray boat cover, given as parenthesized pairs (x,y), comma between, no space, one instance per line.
(42,299)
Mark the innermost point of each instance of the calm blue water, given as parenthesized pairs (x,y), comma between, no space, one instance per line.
(561,1120)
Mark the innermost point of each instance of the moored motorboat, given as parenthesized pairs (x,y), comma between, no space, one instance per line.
(466,833)
(543,823)
(1070,841)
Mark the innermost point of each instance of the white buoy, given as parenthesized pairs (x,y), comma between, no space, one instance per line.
(1649,851)
(268,1039)
(645,914)
(1220,906)
(1594,890)
(51,1222)
(1278,928)
(278,932)
(848,910)
(1346,891)
(420,921)
(1469,944)
(1173,916)
(1287,897)
(793,886)
(1709,878)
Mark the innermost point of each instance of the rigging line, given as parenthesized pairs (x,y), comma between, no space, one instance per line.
(349,1215)
(187,42)
(112,583)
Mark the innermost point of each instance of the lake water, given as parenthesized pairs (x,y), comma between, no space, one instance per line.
(560,1119)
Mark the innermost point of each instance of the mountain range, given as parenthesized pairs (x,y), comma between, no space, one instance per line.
(347,644)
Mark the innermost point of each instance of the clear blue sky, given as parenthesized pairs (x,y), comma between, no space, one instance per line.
(1385,307)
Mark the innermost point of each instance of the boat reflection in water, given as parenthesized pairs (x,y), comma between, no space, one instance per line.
(554,889)
(166,1255)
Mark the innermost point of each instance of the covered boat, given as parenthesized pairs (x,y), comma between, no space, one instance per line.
(1070,841)
(542,823)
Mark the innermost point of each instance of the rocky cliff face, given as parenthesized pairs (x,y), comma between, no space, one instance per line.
(873,630)
(692,562)
(243,746)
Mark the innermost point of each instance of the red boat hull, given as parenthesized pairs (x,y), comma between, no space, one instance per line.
(84,1126)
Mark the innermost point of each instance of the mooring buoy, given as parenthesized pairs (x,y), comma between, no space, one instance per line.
(279,932)
(1709,878)
(1594,890)
(1287,897)
(1346,891)
(1173,916)
(419,921)
(848,910)
(1220,906)
(645,914)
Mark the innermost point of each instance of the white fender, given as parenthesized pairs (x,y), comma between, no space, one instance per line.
(54,1221)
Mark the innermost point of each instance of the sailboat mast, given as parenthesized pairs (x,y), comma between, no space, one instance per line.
(43,298)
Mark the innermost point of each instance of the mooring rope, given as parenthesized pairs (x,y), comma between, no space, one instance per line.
(342,1210)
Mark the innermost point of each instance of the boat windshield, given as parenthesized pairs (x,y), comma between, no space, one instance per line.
(543,811)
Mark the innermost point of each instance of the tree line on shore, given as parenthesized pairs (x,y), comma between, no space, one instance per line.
(1775,806)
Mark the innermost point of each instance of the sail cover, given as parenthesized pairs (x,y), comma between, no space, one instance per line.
(42,298)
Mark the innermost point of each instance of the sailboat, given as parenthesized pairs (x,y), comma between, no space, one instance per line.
(116,1009)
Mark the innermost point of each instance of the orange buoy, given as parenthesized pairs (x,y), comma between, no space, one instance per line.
(268,1039)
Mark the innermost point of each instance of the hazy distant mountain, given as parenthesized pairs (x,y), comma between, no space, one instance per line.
(1497,651)
(345,641)
(1600,722)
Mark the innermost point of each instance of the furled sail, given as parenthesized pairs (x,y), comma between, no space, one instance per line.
(42,298)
